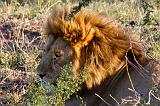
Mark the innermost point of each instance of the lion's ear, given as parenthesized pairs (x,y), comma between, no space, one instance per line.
(59,11)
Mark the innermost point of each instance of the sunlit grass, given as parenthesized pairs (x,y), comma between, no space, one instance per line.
(26,59)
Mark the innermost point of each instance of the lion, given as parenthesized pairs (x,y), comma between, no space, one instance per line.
(114,60)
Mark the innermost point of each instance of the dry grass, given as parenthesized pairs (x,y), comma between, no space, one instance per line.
(21,40)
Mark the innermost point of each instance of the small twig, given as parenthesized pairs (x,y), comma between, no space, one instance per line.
(5,79)
(137,98)
(130,79)
(34,39)
(59,1)
(149,99)
(3,39)
(103,99)
(114,99)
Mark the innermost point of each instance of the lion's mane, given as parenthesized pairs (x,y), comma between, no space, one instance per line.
(99,44)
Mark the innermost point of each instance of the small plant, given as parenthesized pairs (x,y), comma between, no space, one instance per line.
(148,10)
(66,86)
(36,96)
(13,60)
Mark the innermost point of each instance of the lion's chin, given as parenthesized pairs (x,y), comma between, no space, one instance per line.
(49,80)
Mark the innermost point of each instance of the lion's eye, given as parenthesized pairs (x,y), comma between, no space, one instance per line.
(57,55)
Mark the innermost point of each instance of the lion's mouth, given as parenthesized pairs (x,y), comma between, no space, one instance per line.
(46,81)
(49,80)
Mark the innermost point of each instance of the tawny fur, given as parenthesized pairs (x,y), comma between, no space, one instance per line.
(103,51)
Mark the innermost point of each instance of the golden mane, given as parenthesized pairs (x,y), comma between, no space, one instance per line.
(99,44)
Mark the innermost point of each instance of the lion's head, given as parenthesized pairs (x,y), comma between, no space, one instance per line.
(88,40)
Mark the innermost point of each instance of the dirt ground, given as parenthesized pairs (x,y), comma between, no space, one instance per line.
(16,75)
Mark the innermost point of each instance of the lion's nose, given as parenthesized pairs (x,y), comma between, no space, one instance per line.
(41,75)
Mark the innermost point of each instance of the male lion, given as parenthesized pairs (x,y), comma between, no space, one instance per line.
(118,69)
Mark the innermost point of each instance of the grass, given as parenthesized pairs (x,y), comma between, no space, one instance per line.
(21,43)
